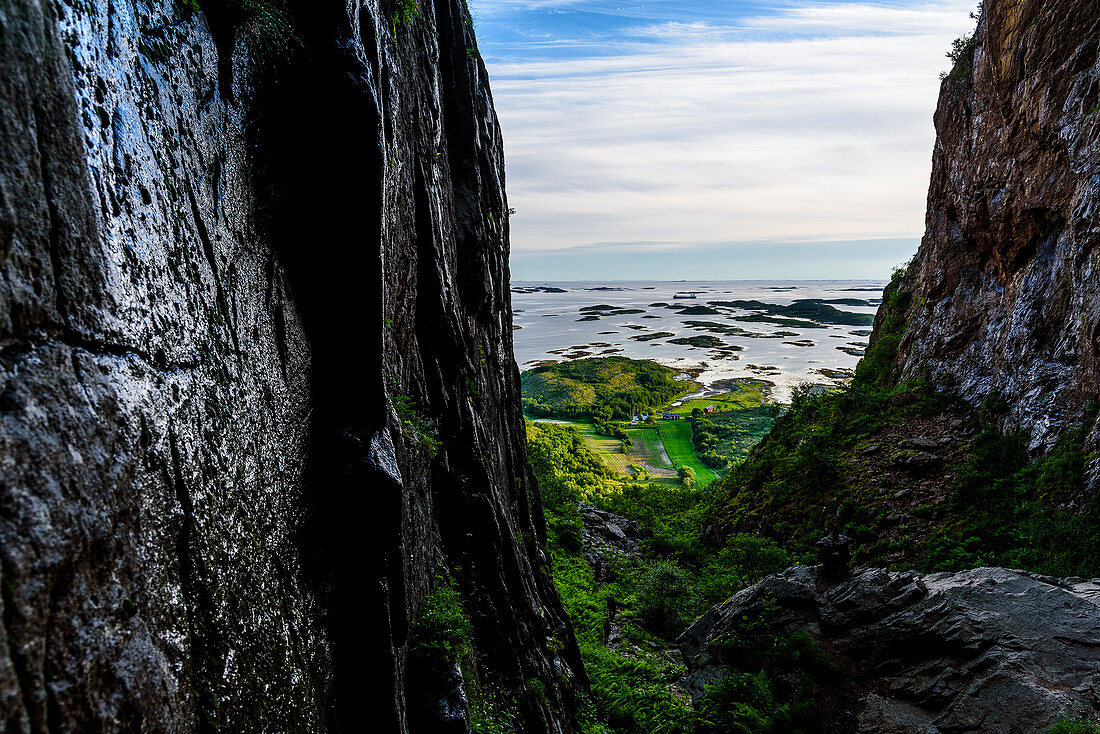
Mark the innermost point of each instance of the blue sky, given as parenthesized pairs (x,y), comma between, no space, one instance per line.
(736,139)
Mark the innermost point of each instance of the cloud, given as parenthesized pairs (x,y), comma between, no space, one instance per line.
(810,123)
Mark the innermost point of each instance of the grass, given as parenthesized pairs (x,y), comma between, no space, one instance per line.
(674,438)
(677,440)
(635,677)
(648,444)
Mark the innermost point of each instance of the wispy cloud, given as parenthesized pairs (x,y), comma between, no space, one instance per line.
(808,122)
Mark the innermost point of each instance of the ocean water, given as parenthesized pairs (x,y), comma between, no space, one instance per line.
(554,327)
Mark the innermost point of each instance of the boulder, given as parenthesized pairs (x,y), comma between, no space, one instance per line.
(982,650)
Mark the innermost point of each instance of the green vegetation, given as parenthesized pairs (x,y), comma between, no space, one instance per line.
(665,599)
(602,388)
(723,439)
(1074,727)
(743,394)
(406,11)
(962,51)
(1006,510)
(442,635)
(415,425)
(677,438)
(634,681)
(774,685)
(794,482)
(709,444)
(1000,509)
(442,628)
(265,22)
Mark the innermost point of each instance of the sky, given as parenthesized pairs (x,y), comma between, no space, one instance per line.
(716,139)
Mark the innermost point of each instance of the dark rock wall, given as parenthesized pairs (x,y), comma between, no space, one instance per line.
(224,261)
(1006,288)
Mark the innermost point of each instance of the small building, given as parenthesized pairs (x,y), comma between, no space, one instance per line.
(708,409)
(671,416)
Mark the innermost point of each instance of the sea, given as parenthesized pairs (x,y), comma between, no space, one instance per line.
(556,321)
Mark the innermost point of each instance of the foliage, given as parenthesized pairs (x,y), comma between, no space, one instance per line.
(961,52)
(676,436)
(665,599)
(791,483)
(1074,727)
(442,626)
(491,711)
(265,22)
(1002,508)
(405,11)
(415,425)
(572,472)
(1006,510)
(775,683)
(724,438)
(633,693)
(602,388)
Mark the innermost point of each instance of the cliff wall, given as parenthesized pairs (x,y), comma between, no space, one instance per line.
(257,398)
(1006,291)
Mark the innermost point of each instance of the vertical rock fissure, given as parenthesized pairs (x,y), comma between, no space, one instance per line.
(20,665)
(200,634)
(54,228)
(211,258)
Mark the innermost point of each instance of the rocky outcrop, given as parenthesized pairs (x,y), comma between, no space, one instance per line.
(984,650)
(606,534)
(1005,287)
(257,394)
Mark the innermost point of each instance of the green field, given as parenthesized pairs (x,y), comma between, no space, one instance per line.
(598,395)
(660,455)
(648,450)
(677,440)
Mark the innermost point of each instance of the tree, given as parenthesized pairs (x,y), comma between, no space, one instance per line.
(665,601)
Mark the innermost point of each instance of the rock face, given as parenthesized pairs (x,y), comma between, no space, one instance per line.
(1006,286)
(983,650)
(257,392)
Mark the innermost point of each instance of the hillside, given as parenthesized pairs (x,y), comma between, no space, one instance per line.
(601,387)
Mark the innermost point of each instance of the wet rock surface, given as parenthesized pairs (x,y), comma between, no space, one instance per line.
(256,383)
(1005,288)
(983,650)
(606,534)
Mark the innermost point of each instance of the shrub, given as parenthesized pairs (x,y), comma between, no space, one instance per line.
(1074,727)
(264,22)
(442,626)
(415,425)
(665,599)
